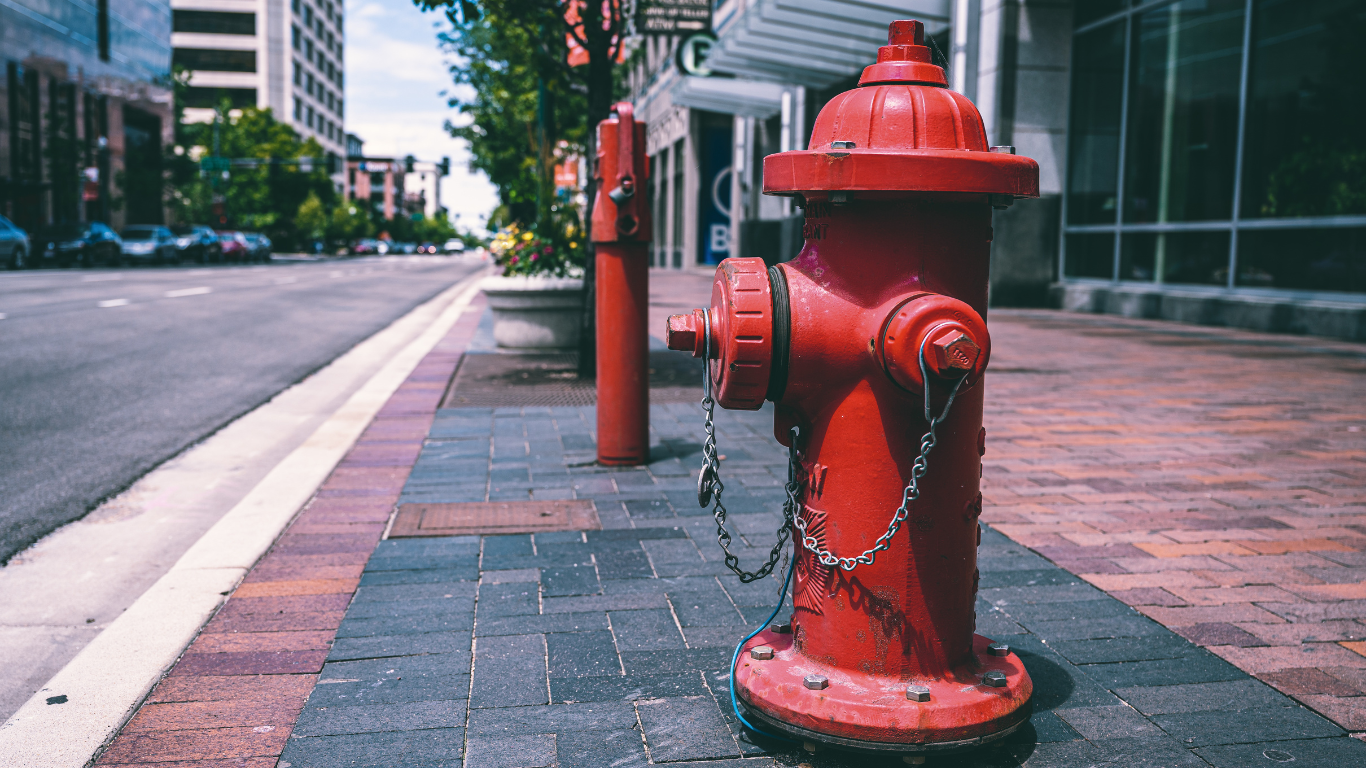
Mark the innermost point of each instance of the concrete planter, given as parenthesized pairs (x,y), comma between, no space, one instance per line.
(535,312)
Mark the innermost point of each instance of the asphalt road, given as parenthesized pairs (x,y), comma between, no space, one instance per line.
(106,373)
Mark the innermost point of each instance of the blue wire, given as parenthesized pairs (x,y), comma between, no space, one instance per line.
(734,703)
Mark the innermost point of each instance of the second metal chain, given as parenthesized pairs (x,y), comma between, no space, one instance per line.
(908,495)
(710,487)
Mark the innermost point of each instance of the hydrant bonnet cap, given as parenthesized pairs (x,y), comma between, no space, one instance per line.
(902,130)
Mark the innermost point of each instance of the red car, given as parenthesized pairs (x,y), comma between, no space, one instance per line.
(235,245)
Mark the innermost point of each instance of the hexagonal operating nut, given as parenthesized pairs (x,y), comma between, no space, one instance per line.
(998,649)
(782,629)
(917,693)
(685,333)
(995,679)
(761,653)
(816,682)
(952,354)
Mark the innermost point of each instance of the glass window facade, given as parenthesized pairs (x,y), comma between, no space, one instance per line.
(1218,143)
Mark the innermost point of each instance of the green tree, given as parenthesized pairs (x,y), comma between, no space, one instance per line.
(502,44)
(265,196)
(348,224)
(311,220)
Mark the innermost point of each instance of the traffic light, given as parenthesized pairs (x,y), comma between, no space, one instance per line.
(445,166)
(408,163)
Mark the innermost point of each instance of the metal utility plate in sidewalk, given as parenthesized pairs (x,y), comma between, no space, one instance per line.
(493,517)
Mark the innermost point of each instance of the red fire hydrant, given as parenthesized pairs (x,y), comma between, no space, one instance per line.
(872,343)
(621,235)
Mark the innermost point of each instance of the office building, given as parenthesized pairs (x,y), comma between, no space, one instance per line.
(1200,160)
(287,57)
(84,111)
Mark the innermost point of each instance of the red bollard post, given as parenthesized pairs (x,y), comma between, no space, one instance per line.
(621,235)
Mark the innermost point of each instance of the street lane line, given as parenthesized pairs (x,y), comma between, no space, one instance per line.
(104,684)
(3,315)
(286,280)
(100,278)
(188,292)
(112,303)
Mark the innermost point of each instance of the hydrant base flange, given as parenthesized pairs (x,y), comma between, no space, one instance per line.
(869,712)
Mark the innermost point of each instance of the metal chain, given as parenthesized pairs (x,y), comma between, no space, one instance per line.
(910,494)
(710,487)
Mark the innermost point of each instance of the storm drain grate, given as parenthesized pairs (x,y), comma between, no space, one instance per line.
(511,380)
(493,517)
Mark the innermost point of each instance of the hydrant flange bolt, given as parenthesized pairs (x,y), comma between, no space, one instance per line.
(817,682)
(995,679)
(761,653)
(917,693)
(782,629)
(998,649)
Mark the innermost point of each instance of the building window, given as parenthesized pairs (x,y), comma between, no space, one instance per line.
(341,108)
(298,73)
(308,116)
(308,16)
(102,28)
(298,108)
(294,6)
(294,36)
(308,50)
(308,88)
(214,22)
(1209,148)
(210,98)
(213,60)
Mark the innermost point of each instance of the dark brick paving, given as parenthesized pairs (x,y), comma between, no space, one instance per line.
(611,648)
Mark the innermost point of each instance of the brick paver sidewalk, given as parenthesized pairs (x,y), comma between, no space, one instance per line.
(611,647)
(1214,479)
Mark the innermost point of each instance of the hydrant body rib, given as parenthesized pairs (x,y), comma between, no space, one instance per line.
(886,299)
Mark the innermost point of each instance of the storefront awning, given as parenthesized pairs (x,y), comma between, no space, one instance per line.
(747,98)
(815,43)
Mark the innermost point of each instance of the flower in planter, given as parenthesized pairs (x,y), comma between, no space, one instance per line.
(545,251)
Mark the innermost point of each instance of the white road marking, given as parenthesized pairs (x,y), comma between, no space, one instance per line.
(188,292)
(286,280)
(200,272)
(112,303)
(113,672)
(100,278)
(337,274)
(3,315)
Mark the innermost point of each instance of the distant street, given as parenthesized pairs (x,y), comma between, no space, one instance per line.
(106,373)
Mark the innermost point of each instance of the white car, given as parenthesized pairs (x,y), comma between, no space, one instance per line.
(454,245)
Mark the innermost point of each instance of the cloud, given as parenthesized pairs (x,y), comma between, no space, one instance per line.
(395,75)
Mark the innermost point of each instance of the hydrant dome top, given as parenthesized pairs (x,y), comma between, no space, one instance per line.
(901,130)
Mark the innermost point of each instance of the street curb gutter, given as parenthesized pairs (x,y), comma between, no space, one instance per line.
(104,684)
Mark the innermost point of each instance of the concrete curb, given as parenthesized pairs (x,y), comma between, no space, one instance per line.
(107,680)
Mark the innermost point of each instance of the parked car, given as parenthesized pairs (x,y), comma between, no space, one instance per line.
(88,244)
(14,245)
(149,242)
(258,246)
(234,245)
(365,247)
(197,243)
(454,245)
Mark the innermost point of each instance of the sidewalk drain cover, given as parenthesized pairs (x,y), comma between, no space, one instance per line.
(493,380)
(493,517)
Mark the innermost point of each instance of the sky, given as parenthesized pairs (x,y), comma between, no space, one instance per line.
(395,74)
